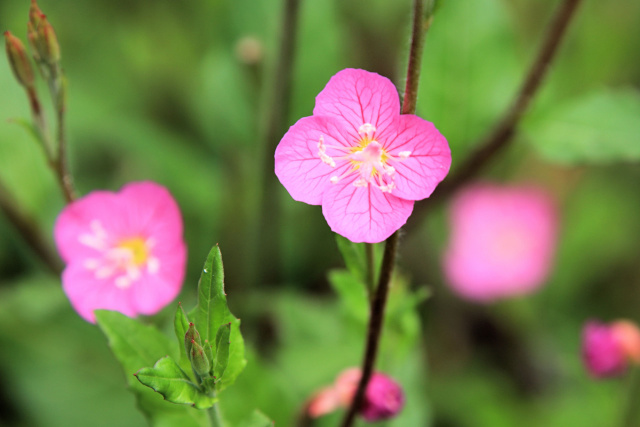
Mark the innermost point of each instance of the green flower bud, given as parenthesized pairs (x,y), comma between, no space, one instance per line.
(20,63)
(191,335)
(48,42)
(199,362)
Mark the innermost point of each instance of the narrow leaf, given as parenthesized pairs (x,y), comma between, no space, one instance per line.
(168,379)
(351,292)
(181,325)
(211,312)
(222,350)
(137,346)
(354,257)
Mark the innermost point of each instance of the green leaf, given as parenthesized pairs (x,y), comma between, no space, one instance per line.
(181,325)
(257,419)
(137,346)
(600,127)
(351,292)
(354,256)
(222,350)
(212,311)
(168,379)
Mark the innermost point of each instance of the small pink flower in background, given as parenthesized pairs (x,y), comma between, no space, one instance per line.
(360,159)
(124,251)
(383,399)
(502,241)
(608,348)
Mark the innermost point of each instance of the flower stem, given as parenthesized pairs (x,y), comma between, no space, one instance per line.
(28,229)
(215,417)
(379,301)
(266,253)
(371,266)
(500,136)
(374,330)
(631,414)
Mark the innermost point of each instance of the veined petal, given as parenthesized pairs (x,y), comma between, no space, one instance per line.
(298,165)
(364,214)
(429,159)
(359,97)
(88,293)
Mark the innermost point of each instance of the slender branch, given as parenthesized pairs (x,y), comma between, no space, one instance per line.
(374,330)
(376,320)
(28,229)
(265,253)
(61,165)
(502,133)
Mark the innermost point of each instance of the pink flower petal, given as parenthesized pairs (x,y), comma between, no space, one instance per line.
(151,211)
(364,214)
(359,97)
(428,162)
(87,293)
(297,161)
(99,207)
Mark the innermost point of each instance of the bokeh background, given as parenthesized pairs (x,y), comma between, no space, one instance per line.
(180,92)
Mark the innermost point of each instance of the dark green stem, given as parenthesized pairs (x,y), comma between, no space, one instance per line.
(379,301)
(28,229)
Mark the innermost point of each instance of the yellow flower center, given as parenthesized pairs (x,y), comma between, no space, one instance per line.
(138,248)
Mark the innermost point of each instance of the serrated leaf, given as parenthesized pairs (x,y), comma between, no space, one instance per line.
(138,346)
(222,350)
(212,311)
(181,324)
(600,127)
(168,379)
(257,419)
(354,256)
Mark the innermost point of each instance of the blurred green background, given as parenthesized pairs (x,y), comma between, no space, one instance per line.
(178,92)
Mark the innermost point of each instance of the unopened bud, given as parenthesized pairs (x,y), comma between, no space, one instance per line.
(383,398)
(628,336)
(191,335)
(19,60)
(35,14)
(602,354)
(199,361)
(208,351)
(48,42)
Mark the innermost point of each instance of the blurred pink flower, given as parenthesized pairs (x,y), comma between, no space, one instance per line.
(383,399)
(124,251)
(607,348)
(360,159)
(502,241)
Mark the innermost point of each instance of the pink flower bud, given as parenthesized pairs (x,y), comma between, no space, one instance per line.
(383,399)
(601,350)
(325,401)
(628,336)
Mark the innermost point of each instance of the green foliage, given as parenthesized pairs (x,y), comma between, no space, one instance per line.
(599,127)
(222,350)
(354,257)
(168,379)
(257,419)
(137,346)
(211,313)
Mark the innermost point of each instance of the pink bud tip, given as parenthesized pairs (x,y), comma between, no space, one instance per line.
(601,351)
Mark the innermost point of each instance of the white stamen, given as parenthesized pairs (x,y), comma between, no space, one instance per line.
(334,179)
(122,282)
(404,155)
(360,182)
(367,129)
(322,153)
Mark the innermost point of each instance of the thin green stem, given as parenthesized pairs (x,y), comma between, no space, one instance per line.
(631,408)
(215,416)
(379,301)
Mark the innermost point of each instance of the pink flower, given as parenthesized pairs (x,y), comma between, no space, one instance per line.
(124,251)
(607,349)
(502,241)
(383,399)
(360,159)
